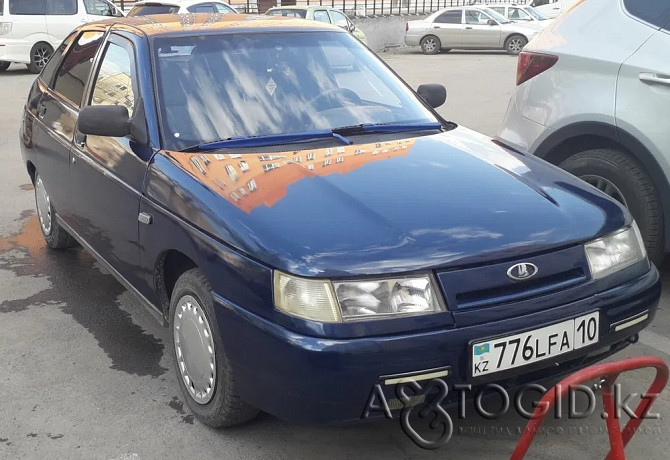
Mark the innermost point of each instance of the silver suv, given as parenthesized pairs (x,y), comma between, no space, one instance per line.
(593,96)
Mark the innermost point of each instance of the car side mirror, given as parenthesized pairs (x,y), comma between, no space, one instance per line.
(492,22)
(435,95)
(104,120)
(352,27)
(114,121)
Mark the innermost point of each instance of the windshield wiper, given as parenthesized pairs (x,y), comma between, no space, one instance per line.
(273,139)
(387,128)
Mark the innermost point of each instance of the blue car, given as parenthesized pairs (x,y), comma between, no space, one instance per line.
(308,226)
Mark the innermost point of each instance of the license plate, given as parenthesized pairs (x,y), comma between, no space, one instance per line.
(518,350)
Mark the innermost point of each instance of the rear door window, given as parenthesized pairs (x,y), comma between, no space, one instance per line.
(27,7)
(49,70)
(655,12)
(74,72)
(450,17)
(321,16)
(223,9)
(201,8)
(61,7)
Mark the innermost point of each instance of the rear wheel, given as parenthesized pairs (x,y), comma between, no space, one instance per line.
(515,43)
(39,56)
(430,44)
(54,235)
(205,376)
(618,175)
(4,65)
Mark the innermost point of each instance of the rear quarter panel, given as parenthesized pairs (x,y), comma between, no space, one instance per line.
(582,84)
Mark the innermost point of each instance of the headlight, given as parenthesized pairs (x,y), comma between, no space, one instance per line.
(615,252)
(321,300)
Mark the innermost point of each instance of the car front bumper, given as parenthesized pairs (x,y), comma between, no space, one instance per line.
(323,380)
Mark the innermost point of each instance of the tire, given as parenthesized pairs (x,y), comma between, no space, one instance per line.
(55,236)
(620,176)
(515,43)
(218,404)
(39,56)
(4,65)
(430,44)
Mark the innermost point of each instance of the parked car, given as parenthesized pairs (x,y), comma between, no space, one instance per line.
(591,103)
(319,13)
(309,227)
(147,7)
(30,30)
(520,13)
(552,8)
(468,27)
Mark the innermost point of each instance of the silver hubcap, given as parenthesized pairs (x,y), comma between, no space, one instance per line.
(605,186)
(41,56)
(43,206)
(429,45)
(516,45)
(194,348)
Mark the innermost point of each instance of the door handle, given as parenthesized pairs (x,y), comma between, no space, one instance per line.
(436,27)
(468,28)
(41,111)
(654,79)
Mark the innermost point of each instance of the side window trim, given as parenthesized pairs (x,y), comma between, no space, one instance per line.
(129,46)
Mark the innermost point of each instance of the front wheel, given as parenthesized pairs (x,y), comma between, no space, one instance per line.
(205,376)
(430,44)
(39,56)
(619,175)
(4,65)
(55,236)
(515,43)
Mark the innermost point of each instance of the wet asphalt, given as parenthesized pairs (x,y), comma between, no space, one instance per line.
(85,373)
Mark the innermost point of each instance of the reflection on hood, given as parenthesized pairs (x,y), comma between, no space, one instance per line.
(251,180)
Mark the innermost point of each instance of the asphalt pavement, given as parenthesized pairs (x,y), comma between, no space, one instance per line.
(85,373)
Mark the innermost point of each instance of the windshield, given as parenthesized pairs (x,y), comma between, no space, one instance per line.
(536,14)
(497,16)
(217,87)
(144,10)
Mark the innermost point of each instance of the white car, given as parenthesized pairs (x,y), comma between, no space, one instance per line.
(597,104)
(468,27)
(144,8)
(553,8)
(31,29)
(520,13)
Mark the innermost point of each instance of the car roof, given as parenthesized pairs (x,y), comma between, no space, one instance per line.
(181,3)
(167,24)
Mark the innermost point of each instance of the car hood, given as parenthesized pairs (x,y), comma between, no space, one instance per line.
(436,201)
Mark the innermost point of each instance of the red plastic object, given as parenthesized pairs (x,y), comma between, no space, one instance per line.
(609,373)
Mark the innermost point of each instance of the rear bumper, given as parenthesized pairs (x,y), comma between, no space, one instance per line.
(321,380)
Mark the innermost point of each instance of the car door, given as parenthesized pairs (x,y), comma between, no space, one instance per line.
(62,16)
(643,84)
(478,33)
(448,27)
(57,114)
(106,174)
(28,17)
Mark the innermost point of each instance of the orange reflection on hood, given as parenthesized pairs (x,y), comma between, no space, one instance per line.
(251,180)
